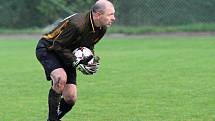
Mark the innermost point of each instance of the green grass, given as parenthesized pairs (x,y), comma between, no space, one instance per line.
(163,78)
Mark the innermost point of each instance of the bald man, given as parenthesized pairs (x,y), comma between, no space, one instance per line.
(54,52)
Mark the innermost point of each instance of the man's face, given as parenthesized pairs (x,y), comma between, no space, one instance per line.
(107,18)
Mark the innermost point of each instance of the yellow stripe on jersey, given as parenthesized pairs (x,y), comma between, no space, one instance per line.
(91,21)
(56,33)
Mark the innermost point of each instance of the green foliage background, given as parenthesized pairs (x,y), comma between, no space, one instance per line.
(39,13)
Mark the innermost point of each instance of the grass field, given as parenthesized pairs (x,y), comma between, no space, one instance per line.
(163,78)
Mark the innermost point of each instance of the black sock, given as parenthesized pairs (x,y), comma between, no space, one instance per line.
(53,101)
(64,108)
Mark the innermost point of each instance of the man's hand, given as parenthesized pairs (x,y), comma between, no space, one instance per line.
(83,61)
(96,59)
(91,68)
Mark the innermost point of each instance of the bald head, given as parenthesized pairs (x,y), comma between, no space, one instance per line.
(103,13)
(101,6)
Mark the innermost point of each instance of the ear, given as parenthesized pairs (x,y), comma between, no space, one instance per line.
(98,14)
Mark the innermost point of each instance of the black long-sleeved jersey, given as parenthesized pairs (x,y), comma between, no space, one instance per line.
(75,31)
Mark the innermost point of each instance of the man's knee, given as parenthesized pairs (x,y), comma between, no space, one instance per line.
(70,93)
(59,79)
(59,86)
(70,99)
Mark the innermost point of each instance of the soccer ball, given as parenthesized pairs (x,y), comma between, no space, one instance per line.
(92,66)
(83,52)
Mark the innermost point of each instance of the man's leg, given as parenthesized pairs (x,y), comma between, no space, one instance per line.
(68,100)
(59,78)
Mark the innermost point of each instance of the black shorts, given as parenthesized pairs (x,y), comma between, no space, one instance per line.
(50,62)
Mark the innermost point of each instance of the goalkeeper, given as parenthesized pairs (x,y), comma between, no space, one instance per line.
(54,52)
